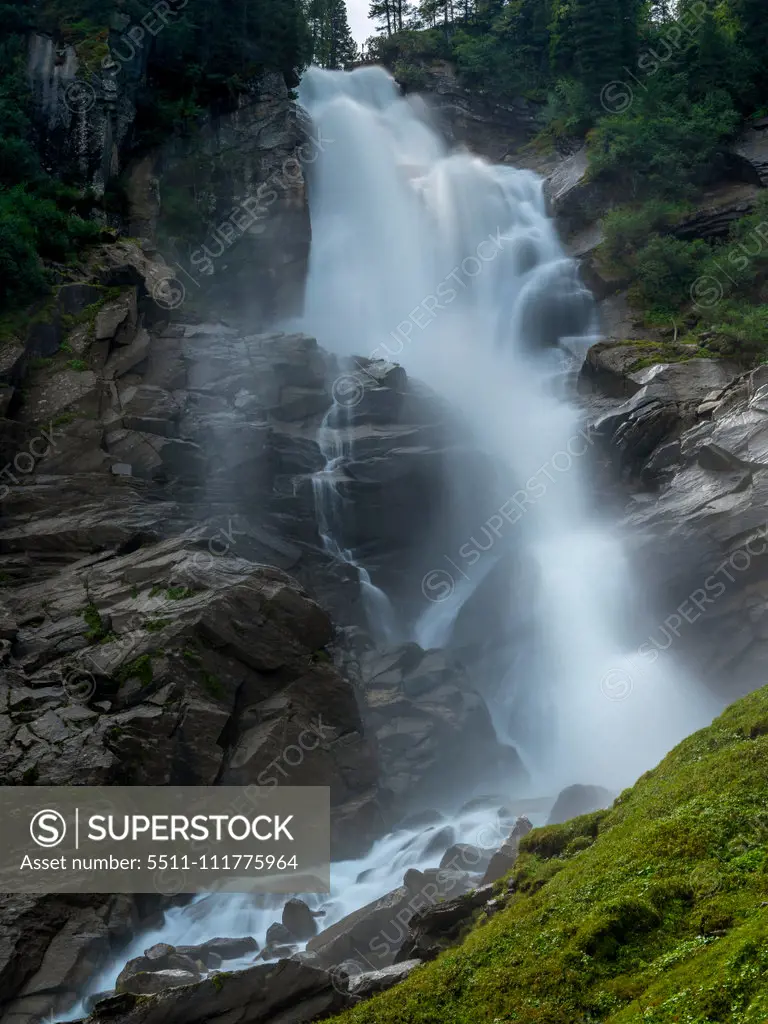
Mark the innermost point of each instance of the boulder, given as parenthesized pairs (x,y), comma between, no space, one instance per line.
(299,920)
(576,800)
(435,928)
(370,983)
(220,949)
(465,857)
(430,725)
(504,858)
(372,935)
(147,983)
(278,934)
(289,991)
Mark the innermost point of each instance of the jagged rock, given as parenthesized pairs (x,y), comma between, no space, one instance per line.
(718,210)
(148,983)
(439,842)
(159,951)
(299,920)
(50,947)
(429,723)
(369,983)
(505,857)
(289,991)
(220,948)
(465,857)
(277,951)
(116,320)
(576,800)
(490,129)
(278,934)
(373,934)
(435,928)
(161,959)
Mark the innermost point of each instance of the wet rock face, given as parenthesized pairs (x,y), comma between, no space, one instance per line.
(695,523)
(247,232)
(242,172)
(430,725)
(490,129)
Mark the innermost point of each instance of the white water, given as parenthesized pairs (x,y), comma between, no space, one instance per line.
(400,226)
(336,450)
(451,267)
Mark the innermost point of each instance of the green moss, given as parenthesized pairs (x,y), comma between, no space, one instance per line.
(155,625)
(155,591)
(193,656)
(40,362)
(97,631)
(64,419)
(212,685)
(140,668)
(179,593)
(77,364)
(653,912)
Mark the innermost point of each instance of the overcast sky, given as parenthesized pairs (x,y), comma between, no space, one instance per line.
(357,15)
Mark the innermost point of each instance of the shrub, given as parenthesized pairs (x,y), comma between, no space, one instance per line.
(665,269)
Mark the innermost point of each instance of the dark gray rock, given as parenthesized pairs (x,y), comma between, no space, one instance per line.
(576,800)
(299,920)
(434,929)
(222,948)
(278,934)
(370,983)
(289,991)
(505,857)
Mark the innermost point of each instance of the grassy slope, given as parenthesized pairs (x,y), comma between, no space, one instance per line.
(651,912)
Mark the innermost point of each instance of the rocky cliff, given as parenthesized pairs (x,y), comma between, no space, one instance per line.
(224,199)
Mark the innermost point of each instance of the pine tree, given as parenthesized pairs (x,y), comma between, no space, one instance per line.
(383,11)
(332,43)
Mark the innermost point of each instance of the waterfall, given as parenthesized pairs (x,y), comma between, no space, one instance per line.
(452,267)
(336,449)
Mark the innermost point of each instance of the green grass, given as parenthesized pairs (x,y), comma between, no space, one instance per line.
(653,912)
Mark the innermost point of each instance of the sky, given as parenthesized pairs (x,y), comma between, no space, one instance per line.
(357,16)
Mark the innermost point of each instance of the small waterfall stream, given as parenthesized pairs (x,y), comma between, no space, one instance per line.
(336,448)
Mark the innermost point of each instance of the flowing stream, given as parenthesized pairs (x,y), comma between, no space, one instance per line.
(451,267)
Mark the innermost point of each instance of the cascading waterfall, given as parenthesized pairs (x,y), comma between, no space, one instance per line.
(451,267)
(335,447)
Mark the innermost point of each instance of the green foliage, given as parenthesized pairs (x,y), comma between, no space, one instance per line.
(212,685)
(156,625)
(179,593)
(664,145)
(627,229)
(665,270)
(660,919)
(97,630)
(140,668)
(332,42)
